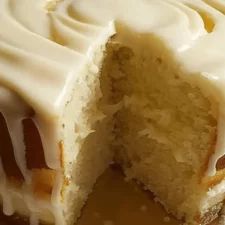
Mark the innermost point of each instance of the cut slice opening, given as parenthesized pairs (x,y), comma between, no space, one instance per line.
(165,128)
(43,177)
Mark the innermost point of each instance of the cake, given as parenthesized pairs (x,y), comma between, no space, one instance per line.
(85,83)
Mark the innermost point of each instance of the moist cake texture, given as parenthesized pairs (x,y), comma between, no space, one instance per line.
(89,82)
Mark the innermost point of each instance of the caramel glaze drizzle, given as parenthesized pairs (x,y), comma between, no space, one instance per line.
(42,176)
(7,154)
(34,149)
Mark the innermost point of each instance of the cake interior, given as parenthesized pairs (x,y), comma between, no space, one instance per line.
(87,126)
(135,105)
(164,129)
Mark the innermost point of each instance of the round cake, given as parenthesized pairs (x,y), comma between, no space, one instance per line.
(84,83)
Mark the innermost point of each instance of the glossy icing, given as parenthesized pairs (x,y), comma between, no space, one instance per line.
(40,60)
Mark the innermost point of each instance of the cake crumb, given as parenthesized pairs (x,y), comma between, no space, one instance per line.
(143,208)
(166,219)
(108,222)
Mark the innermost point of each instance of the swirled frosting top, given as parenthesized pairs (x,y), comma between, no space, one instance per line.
(40,57)
(40,54)
(44,44)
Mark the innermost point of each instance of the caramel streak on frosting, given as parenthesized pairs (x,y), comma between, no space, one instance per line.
(13,109)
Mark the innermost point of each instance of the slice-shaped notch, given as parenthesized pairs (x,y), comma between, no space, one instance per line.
(207,19)
(7,154)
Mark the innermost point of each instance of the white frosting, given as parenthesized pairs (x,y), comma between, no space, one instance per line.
(44,45)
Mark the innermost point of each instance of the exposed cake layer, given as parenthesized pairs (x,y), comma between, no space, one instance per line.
(165,129)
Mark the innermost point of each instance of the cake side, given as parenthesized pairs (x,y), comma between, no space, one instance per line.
(55,84)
